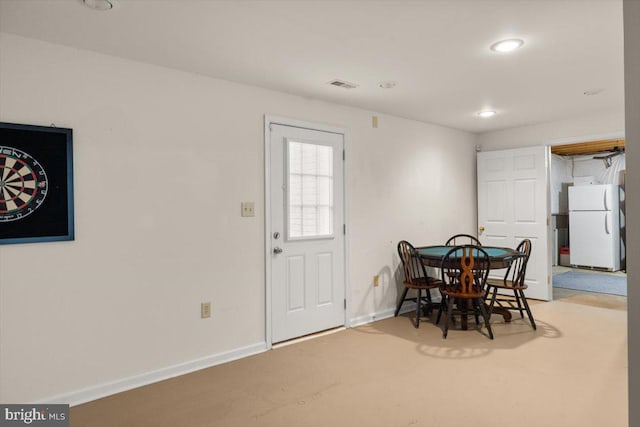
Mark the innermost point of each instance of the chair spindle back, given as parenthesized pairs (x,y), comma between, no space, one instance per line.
(463,239)
(518,268)
(465,270)
(412,266)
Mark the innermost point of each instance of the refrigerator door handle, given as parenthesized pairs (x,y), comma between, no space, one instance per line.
(606,223)
(606,207)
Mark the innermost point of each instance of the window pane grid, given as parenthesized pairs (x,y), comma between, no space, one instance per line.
(310,190)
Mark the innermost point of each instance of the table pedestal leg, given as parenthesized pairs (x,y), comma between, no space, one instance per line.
(502,311)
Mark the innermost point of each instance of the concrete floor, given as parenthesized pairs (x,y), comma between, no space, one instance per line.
(557,269)
(615,302)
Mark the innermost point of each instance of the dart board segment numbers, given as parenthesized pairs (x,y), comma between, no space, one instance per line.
(23,184)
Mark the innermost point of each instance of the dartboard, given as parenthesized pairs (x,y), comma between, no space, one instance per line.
(23,184)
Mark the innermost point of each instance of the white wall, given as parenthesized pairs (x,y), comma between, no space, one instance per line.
(632,101)
(579,129)
(163,160)
(567,169)
(595,170)
(600,126)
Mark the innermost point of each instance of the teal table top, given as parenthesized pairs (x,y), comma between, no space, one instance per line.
(441,251)
(498,257)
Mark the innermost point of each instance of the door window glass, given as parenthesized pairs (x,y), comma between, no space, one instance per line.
(309,190)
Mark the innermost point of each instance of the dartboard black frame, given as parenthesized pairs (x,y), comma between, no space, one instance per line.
(36,183)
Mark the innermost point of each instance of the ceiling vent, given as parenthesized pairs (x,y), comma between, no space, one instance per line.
(342,83)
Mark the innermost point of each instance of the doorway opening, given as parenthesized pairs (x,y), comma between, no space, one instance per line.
(588,233)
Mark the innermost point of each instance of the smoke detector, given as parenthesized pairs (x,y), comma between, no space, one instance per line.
(343,84)
(387,84)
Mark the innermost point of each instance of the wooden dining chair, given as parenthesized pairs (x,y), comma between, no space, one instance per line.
(463,239)
(514,280)
(464,275)
(415,277)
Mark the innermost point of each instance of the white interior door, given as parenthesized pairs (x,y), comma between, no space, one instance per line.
(513,204)
(306,251)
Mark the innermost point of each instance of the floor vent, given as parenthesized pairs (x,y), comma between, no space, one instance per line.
(342,83)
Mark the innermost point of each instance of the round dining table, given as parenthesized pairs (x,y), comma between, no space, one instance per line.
(499,257)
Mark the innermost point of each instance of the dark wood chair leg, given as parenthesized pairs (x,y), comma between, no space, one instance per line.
(404,294)
(448,319)
(441,308)
(418,304)
(520,309)
(494,295)
(526,306)
(476,311)
(429,306)
(486,319)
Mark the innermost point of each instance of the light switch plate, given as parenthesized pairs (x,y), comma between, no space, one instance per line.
(248,209)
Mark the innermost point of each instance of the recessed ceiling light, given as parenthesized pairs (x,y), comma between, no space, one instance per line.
(388,85)
(487,113)
(102,5)
(506,45)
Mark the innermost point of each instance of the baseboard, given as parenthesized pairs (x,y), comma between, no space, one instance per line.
(385,314)
(99,391)
(107,389)
(379,315)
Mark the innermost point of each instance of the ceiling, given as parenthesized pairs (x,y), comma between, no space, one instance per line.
(436,51)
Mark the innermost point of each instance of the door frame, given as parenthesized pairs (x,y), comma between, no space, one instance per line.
(285,121)
(562,141)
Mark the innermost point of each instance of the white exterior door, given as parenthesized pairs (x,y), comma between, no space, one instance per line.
(306,231)
(513,204)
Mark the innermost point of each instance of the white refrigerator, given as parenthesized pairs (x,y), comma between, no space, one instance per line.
(594,226)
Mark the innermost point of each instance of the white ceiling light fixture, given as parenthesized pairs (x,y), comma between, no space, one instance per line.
(101,5)
(487,113)
(508,45)
(388,85)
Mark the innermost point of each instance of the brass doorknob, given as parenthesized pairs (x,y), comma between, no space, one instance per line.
(481,228)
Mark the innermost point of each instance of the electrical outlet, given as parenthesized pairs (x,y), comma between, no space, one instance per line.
(376,280)
(205,310)
(248,209)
